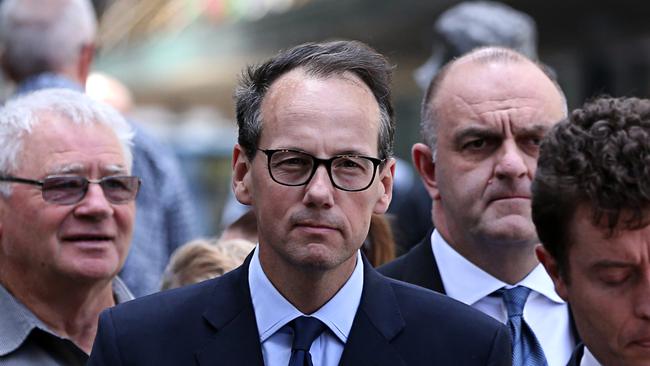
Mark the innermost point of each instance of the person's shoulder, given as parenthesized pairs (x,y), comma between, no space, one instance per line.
(172,303)
(397,267)
(445,331)
(394,268)
(421,305)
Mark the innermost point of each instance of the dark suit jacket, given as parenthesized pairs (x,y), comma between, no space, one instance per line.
(418,266)
(576,357)
(213,323)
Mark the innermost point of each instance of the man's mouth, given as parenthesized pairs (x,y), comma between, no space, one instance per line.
(88,239)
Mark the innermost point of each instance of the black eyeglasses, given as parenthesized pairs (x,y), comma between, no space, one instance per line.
(68,190)
(351,173)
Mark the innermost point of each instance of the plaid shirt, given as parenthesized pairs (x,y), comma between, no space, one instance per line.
(165,218)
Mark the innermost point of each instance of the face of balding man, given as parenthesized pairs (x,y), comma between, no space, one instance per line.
(491,118)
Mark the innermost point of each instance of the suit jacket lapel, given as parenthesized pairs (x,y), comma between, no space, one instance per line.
(230,312)
(377,322)
(421,268)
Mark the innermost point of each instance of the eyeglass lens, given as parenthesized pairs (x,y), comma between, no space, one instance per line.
(347,172)
(68,190)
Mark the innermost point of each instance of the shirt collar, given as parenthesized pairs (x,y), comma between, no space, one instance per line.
(121,293)
(588,358)
(17,321)
(273,311)
(468,283)
(46,80)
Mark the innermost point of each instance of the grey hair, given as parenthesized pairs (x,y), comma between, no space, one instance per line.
(20,116)
(483,55)
(39,36)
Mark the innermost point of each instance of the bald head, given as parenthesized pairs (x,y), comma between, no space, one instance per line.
(44,36)
(487,61)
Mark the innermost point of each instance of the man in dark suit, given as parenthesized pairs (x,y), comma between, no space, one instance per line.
(591,207)
(314,161)
(482,119)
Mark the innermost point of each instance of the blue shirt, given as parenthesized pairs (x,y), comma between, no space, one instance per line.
(273,312)
(165,217)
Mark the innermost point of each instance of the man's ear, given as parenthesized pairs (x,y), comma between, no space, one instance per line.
(86,56)
(551,266)
(423,162)
(241,170)
(386,178)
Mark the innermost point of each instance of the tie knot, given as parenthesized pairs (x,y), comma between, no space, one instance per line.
(305,330)
(514,300)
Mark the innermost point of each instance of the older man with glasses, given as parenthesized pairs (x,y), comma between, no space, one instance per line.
(66,219)
(314,162)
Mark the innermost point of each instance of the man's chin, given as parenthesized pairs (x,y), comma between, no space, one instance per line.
(516,230)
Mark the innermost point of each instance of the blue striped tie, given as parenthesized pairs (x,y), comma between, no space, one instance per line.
(526,350)
(305,331)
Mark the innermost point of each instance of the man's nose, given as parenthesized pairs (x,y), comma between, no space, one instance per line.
(319,190)
(511,162)
(94,203)
(642,297)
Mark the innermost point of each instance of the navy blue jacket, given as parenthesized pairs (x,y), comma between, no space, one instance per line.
(213,323)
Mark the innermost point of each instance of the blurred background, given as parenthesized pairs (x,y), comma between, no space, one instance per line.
(179,61)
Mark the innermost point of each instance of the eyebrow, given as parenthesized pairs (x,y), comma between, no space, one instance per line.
(339,153)
(110,169)
(536,129)
(491,133)
(475,131)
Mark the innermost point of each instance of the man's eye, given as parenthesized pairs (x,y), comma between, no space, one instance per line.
(475,144)
(533,141)
(614,278)
(292,162)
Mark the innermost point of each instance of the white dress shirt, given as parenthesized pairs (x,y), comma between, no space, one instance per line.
(588,359)
(273,312)
(545,312)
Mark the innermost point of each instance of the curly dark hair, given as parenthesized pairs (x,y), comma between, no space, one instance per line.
(598,157)
(319,60)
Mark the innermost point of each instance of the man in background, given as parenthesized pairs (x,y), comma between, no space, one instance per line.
(67,209)
(483,117)
(48,44)
(457,31)
(591,207)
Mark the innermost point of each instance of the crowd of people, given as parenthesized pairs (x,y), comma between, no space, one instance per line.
(537,250)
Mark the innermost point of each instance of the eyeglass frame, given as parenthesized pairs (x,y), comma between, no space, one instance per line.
(84,190)
(376,162)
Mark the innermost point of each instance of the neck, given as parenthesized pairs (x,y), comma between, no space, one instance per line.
(307,288)
(70,308)
(507,260)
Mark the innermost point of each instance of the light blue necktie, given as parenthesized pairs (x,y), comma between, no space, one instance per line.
(526,350)
(305,331)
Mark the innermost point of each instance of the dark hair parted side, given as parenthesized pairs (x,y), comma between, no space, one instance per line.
(599,158)
(318,60)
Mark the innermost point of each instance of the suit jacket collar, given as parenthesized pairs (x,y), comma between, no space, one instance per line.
(576,357)
(236,340)
(376,323)
(421,268)
(230,312)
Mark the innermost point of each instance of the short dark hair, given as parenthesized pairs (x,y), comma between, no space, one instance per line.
(598,158)
(320,60)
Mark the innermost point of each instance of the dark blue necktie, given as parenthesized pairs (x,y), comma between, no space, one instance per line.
(305,331)
(526,350)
